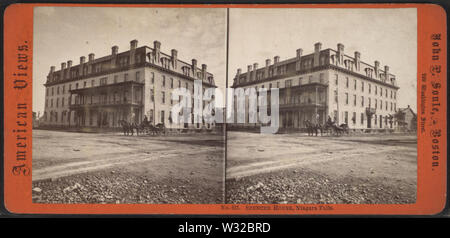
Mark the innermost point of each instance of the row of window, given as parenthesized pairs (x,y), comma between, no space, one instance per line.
(102,81)
(376,91)
(376,106)
(57,102)
(377,119)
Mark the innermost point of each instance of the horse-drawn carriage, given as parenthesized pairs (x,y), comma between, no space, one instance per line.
(329,128)
(144,128)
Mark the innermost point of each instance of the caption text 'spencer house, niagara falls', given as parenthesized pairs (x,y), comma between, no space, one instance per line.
(121,86)
(326,83)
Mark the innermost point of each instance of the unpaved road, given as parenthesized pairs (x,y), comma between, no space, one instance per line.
(294,168)
(73,167)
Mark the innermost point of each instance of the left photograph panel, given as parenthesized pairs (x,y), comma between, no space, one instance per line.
(124,105)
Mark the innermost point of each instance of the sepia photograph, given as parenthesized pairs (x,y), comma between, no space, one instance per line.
(106,81)
(340,88)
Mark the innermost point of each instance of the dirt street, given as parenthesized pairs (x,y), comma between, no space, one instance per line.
(295,168)
(71,167)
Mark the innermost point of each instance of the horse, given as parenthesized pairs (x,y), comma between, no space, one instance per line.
(341,129)
(327,127)
(127,127)
(313,128)
(161,128)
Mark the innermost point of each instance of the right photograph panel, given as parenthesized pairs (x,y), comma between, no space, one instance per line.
(322,106)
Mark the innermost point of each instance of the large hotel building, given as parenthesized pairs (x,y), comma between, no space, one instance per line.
(326,83)
(121,86)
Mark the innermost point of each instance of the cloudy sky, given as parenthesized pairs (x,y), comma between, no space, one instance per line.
(386,35)
(66,33)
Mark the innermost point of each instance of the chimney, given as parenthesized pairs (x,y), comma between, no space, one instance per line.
(174,58)
(204,67)
(91,56)
(340,54)
(276,59)
(63,67)
(133,44)
(69,64)
(377,68)
(82,60)
(298,59)
(238,74)
(114,50)
(156,50)
(357,60)
(386,72)
(50,74)
(266,69)
(249,71)
(194,68)
(317,48)
(255,67)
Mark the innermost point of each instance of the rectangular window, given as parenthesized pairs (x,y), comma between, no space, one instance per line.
(354,118)
(116,78)
(153,77)
(62,102)
(103,81)
(346,82)
(163,97)
(354,81)
(171,82)
(57,91)
(76,86)
(362,118)
(162,117)
(125,77)
(362,86)
(335,96)
(385,93)
(321,77)
(179,83)
(288,83)
(370,103)
(346,98)
(362,101)
(370,88)
(93,83)
(138,76)
(336,81)
(163,80)
(152,95)
(354,100)
(381,104)
(64,90)
(57,102)
(376,104)
(381,91)
(84,84)
(346,117)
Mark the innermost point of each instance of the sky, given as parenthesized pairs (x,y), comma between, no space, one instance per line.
(67,33)
(386,35)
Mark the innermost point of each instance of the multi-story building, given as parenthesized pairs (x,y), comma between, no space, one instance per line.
(326,83)
(121,86)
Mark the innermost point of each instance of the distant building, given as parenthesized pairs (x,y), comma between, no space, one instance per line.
(406,119)
(326,83)
(121,86)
